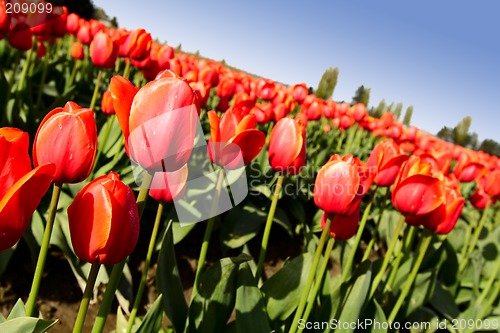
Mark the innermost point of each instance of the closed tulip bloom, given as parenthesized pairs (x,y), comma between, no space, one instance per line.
(104,221)
(468,166)
(4,20)
(386,158)
(343,226)
(21,37)
(287,146)
(341,184)
(160,123)
(77,51)
(107,103)
(137,45)
(491,182)
(73,23)
(22,188)
(169,186)
(67,137)
(418,188)
(232,134)
(480,199)
(103,51)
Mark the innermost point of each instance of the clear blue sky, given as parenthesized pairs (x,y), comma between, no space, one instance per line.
(439,56)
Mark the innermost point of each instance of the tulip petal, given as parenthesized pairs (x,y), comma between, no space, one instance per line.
(251,142)
(122,93)
(418,194)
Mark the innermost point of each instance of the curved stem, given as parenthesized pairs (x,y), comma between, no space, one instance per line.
(387,257)
(487,289)
(116,273)
(126,72)
(350,260)
(96,89)
(413,275)
(310,278)
(87,295)
(206,236)
(475,238)
(147,262)
(340,141)
(27,63)
(40,265)
(322,269)
(267,229)
(73,75)
(44,76)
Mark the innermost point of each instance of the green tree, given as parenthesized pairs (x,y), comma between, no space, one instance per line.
(362,95)
(327,83)
(490,146)
(408,114)
(460,134)
(379,111)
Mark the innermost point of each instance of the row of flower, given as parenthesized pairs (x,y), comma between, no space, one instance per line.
(412,227)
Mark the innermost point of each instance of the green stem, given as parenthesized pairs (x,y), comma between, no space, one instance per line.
(147,262)
(322,270)
(350,260)
(27,63)
(96,89)
(310,278)
(267,229)
(40,265)
(368,249)
(73,75)
(388,256)
(350,139)
(486,309)
(475,238)
(126,72)
(405,245)
(116,273)
(487,289)
(340,141)
(44,76)
(413,275)
(87,295)
(206,236)
(109,124)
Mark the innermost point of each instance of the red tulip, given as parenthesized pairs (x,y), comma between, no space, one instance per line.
(137,45)
(73,23)
(21,37)
(41,50)
(107,103)
(4,20)
(158,122)
(468,166)
(103,51)
(22,188)
(343,226)
(77,51)
(418,189)
(67,137)
(341,184)
(168,186)
(83,33)
(231,135)
(287,146)
(299,92)
(104,221)
(386,158)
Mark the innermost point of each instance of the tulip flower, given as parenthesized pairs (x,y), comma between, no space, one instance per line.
(168,186)
(73,23)
(104,221)
(73,131)
(342,226)
(107,103)
(103,51)
(137,45)
(386,158)
(21,37)
(4,20)
(158,122)
(22,188)
(418,188)
(77,51)
(234,130)
(287,146)
(468,166)
(341,184)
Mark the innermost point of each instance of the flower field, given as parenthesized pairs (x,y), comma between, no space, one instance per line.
(183,195)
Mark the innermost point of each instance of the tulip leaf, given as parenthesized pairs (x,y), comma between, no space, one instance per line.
(180,231)
(421,291)
(283,290)
(443,301)
(356,290)
(374,318)
(121,321)
(212,306)
(241,224)
(17,311)
(26,325)
(251,314)
(428,321)
(169,282)
(4,87)
(152,320)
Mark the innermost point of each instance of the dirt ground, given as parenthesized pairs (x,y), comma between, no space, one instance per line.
(60,294)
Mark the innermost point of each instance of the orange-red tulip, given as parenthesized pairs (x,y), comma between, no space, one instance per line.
(341,184)
(287,146)
(22,188)
(77,51)
(103,51)
(386,160)
(137,45)
(234,130)
(104,221)
(67,137)
(468,166)
(107,103)
(4,20)
(343,226)
(168,186)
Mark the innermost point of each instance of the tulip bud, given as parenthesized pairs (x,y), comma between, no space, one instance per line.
(104,221)
(67,137)
(103,51)
(287,146)
(107,103)
(77,51)
(387,158)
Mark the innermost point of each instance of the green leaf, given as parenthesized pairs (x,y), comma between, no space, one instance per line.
(443,301)
(121,321)
(17,311)
(169,283)
(214,303)
(26,325)
(251,314)
(355,295)
(180,231)
(153,318)
(241,225)
(428,321)
(283,290)
(421,291)
(5,258)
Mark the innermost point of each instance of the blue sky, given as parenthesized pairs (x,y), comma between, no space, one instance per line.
(439,56)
